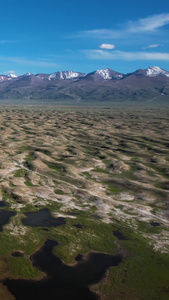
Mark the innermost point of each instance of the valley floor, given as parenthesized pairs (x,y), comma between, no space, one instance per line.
(105,173)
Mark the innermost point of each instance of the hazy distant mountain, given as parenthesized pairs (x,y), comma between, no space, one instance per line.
(100,85)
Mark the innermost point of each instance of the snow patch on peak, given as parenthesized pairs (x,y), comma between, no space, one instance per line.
(61,75)
(109,74)
(3,78)
(104,73)
(69,75)
(51,76)
(119,76)
(12,75)
(65,75)
(155,71)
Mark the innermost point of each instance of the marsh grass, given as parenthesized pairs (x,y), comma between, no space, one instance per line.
(21,267)
(125,150)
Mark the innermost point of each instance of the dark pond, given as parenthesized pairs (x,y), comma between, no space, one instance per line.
(79,257)
(2,204)
(155,224)
(63,282)
(42,218)
(119,235)
(5,217)
(17,254)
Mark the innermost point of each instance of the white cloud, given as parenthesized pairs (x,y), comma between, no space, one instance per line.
(154,46)
(100,34)
(150,23)
(151,46)
(146,25)
(122,55)
(107,46)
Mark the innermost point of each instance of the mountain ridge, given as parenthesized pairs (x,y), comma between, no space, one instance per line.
(99,85)
(106,74)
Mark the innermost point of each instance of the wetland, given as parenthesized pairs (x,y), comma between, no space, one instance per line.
(63,281)
(84,203)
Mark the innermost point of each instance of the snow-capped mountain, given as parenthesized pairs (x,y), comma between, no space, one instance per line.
(65,75)
(104,74)
(11,75)
(155,71)
(100,85)
(98,75)
(3,78)
(109,74)
(150,72)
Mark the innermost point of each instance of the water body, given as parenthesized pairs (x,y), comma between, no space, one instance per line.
(5,217)
(2,204)
(63,282)
(119,235)
(42,218)
(17,254)
(79,257)
(155,224)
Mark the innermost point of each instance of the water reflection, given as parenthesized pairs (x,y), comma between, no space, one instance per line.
(62,281)
(5,217)
(42,218)
(119,235)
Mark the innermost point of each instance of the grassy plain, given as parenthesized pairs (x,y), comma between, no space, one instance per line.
(104,168)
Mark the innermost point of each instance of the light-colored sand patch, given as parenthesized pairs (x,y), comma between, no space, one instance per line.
(44,192)
(125,197)
(86,170)
(57,215)
(17,206)
(8,168)
(160,242)
(34,178)
(16,229)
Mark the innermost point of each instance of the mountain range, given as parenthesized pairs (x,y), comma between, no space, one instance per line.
(101,85)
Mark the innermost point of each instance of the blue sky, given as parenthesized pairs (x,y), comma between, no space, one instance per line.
(48,36)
